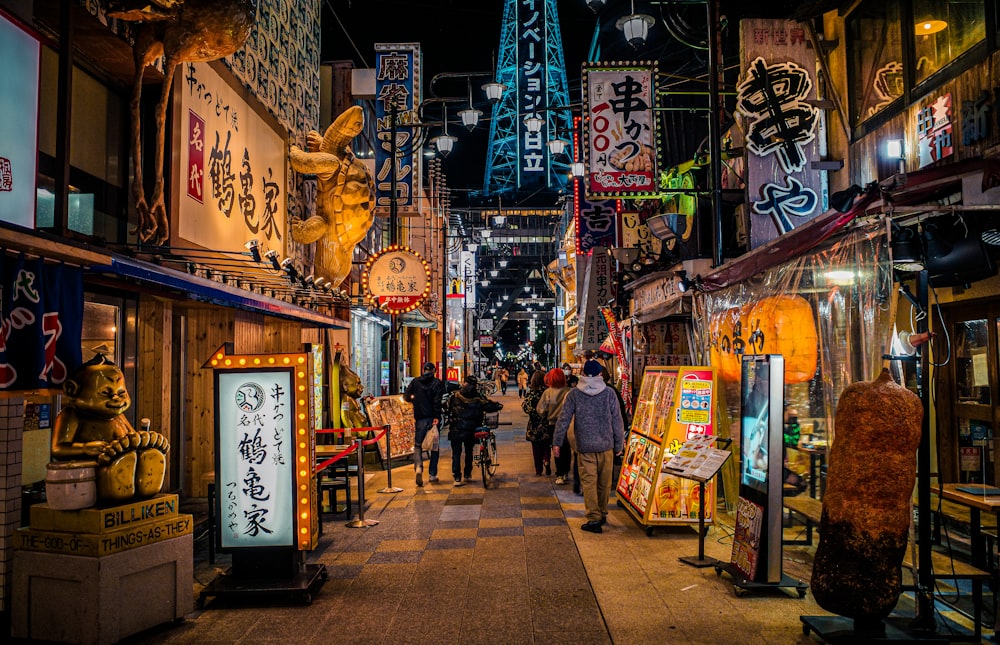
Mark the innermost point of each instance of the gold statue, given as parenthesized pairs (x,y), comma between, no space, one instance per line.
(345,194)
(93,426)
(351,389)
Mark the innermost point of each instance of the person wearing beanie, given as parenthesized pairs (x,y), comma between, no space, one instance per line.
(600,434)
(425,393)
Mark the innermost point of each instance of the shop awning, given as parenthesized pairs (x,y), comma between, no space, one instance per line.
(205,290)
(417,318)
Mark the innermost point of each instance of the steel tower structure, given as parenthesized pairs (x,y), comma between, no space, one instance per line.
(532,66)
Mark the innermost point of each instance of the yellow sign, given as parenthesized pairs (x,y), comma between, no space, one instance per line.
(103,520)
(101,544)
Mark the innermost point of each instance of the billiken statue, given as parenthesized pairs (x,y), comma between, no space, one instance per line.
(92,425)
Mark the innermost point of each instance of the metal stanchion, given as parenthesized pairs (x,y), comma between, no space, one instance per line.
(389,488)
(359,520)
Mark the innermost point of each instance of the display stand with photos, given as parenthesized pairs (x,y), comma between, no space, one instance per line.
(396,413)
(756,557)
(675,404)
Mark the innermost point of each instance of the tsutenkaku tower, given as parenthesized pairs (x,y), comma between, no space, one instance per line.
(532,67)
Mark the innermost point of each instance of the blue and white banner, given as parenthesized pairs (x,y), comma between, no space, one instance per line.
(41,318)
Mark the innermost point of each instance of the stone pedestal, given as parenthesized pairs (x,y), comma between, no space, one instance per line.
(117,572)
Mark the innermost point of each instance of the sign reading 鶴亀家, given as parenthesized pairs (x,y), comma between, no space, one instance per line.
(232,167)
(264,451)
(396,280)
(620,130)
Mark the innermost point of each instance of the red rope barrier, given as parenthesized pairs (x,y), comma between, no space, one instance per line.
(368,442)
(334,459)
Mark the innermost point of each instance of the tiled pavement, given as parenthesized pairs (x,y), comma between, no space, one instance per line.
(505,565)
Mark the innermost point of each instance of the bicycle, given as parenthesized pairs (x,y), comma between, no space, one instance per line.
(486,388)
(486,455)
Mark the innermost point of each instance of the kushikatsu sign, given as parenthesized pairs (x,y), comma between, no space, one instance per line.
(264,451)
(396,280)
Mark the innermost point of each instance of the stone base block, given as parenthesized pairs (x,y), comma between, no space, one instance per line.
(97,600)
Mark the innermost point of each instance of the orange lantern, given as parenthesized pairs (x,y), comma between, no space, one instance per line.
(784,325)
(727,343)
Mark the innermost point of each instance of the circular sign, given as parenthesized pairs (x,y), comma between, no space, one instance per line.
(396,280)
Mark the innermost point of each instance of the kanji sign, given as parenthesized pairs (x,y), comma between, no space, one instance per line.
(397,280)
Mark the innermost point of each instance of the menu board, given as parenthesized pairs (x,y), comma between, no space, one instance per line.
(698,459)
(746,539)
(675,404)
(396,413)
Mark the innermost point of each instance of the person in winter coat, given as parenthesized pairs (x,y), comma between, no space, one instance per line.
(600,434)
(522,383)
(537,431)
(425,393)
(466,409)
(549,406)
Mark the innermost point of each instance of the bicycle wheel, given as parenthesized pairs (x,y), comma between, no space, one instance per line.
(484,462)
(491,455)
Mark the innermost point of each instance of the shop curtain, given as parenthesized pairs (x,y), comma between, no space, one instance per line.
(41,319)
(838,296)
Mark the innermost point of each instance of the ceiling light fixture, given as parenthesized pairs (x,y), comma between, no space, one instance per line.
(635,26)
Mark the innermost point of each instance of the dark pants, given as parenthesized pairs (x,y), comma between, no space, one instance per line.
(564,461)
(456,455)
(540,451)
(421,426)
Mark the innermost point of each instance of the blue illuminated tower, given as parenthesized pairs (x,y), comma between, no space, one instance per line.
(532,67)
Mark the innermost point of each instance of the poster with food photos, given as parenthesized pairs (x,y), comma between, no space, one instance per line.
(396,413)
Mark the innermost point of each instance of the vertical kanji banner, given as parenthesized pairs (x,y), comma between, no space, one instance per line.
(397,80)
(620,135)
(784,131)
(41,318)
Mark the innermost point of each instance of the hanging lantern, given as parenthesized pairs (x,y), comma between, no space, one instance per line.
(784,325)
(727,343)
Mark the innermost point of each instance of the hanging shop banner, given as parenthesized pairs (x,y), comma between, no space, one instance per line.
(599,287)
(620,134)
(467,269)
(531,28)
(41,318)
(596,222)
(615,334)
(934,131)
(18,124)
(785,132)
(264,451)
(636,234)
(396,280)
(397,80)
(231,167)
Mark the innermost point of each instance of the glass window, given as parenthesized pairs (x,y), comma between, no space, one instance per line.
(876,57)
(972,377)
(943,31)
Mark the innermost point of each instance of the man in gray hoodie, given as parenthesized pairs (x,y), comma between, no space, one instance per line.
(600,434)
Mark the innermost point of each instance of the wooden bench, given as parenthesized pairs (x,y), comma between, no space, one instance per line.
(944,567)
(809,508)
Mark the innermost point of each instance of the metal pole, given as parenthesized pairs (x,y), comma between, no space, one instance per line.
(925,587)
(714,136)
(389,488)
(444,295)
(359,521)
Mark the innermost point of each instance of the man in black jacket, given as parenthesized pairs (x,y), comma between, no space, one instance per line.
(465,409)
(425,393)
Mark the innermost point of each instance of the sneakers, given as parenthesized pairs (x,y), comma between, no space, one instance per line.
(458,482)
(420,479)
(560,480)
(593,527)
(433,479)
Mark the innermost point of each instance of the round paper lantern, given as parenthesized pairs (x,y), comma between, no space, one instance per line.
(784,325)
(727,343)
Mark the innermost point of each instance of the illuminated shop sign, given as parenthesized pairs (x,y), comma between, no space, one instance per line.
(18,124)
(264,451)
(397,280)
(397,80)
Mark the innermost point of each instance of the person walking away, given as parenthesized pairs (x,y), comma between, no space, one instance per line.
(466,409)
(537,432)
(522,383)
(425,393)
(504,380)
(549,406)
(600,434)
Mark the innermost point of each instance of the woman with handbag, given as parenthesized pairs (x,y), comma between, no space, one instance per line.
(549,406)
(538,432)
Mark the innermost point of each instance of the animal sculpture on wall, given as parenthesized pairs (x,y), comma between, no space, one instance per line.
(93,426)
(181,31)
(344,197)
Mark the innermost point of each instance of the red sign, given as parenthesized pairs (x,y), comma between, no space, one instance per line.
(196,157)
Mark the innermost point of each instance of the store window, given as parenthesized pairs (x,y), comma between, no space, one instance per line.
(98,163)
(944,31)
(876,57)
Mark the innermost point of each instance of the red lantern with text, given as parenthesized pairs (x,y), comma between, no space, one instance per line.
(784,325)
(727,343)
